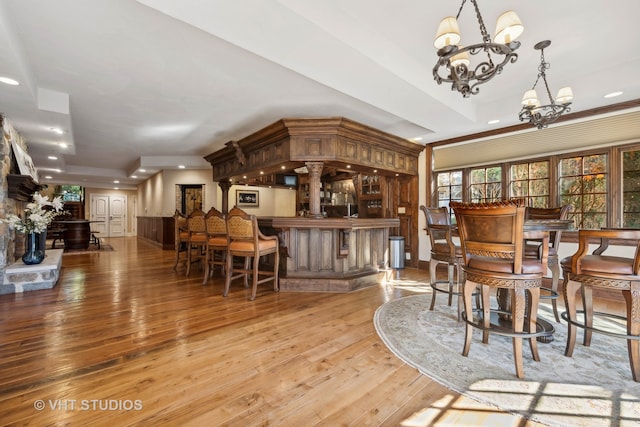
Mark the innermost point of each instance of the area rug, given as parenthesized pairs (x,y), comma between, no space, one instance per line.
(92,249)
(592,388)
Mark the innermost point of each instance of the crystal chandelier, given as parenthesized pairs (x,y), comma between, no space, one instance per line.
(454,64)
(541,115)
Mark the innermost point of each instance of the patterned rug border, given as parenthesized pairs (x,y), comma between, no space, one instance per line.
(91,250)
(431,342)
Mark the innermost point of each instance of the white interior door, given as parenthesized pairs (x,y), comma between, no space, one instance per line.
(110,214)
(117,216)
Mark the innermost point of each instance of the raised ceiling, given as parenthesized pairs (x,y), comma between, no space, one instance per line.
(157,83)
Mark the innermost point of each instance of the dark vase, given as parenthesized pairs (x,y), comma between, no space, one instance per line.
(34,252)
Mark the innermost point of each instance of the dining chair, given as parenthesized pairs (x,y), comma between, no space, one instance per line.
(444,250)
(597,270)
(492,241)
(532,248)
(217,242)
(246,241)
(181,237)
(197,241)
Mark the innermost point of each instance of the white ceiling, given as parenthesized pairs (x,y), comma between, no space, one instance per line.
(157,83)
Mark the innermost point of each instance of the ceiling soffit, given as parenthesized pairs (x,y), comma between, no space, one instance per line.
(581,135)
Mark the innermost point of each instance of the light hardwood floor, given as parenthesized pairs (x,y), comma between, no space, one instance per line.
(122,329)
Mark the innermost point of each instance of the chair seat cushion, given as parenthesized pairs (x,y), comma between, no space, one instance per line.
(243,246)
(594,264)
(184,235)
(531,250)
(198,238)
(217,241)
(443,248)
(529,265)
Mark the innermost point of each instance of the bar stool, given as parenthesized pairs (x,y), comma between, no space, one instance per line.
(492,241)
(597,270)
(246,240)
(443,250)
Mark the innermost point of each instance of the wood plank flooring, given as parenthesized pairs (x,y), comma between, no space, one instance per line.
(123,339)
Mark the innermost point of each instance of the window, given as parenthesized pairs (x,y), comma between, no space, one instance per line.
(531,181)
(486,184)
(631,189)
(449,189)
(70,193)
(583,184)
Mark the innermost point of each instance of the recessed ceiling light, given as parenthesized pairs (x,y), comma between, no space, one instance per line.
(134,176)
(116,188)
(9,81)
(348,166)
(116,182)
(417,138)
(58,170)
(493,122)
(52,158)
(56,130)
(613,94)
(282,167)
(48,177)
(142,170)
(261,172)
(63,145)
(181,166)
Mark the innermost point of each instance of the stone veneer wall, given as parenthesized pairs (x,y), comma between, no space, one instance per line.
(7,205)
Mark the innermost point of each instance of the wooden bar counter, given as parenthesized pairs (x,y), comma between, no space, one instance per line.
(331,254)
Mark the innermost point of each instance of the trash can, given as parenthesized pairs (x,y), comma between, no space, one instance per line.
(396,251)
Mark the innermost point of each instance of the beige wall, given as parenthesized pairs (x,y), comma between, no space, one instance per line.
(272,201)
(157,195)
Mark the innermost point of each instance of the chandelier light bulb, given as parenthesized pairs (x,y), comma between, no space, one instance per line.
(448,33)
(565,95)
(461,58)
(530,98)
(508,28)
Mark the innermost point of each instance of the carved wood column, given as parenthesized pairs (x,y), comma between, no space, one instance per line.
(315,174)
(225,186)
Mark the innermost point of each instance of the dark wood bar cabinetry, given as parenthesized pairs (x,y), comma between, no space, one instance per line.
(157,230)
(336,237)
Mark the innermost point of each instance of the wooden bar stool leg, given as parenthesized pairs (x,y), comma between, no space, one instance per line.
(570,288)
(517,321)
(632,298)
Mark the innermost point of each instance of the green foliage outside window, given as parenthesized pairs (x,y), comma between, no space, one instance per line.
(583,184)
(486,184)
(631,189)
(531,180)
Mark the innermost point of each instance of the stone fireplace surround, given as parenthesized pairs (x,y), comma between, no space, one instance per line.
(14,275)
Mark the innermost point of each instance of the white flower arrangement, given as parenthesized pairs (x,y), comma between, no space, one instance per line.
(36,218)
